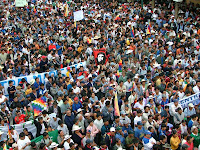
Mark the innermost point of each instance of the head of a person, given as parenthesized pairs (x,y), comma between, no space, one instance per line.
(174,133)
(45,135)
(22,135)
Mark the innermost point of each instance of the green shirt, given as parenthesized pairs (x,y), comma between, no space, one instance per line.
(129,140)
(196,139)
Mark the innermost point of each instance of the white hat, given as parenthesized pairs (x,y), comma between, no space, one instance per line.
(143,80)
(129,23)
(67,137)
(9,70)
(14,145)
(32,81)
(1,132)
(169,43)
(39,56)
(53,145)
(75,128)
(79,110)
(193,127)
(112,129)
(190,105)
(150,97)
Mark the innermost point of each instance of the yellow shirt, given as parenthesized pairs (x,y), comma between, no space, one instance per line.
(28,91)
(70,102)
(174,142)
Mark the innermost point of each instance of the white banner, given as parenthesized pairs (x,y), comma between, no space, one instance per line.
(41,76)
(194,99)
(20,3)
(19,128)
(78,15)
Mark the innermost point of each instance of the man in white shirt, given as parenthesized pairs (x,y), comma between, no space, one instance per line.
(129,86)
(197,87)
(23,142)
(138,117)
(63,127)
(174,106)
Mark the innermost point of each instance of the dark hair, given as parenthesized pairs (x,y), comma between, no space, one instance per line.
(45,134)
(22,134)
(189,137)
(60,122)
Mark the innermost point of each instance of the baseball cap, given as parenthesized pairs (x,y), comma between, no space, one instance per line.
(139,123)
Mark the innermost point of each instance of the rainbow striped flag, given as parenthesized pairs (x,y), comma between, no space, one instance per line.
(34,10)
(131,87)
(132,32)
(120,66)
(39,105)
(9,132)
(148,28)
(116,106)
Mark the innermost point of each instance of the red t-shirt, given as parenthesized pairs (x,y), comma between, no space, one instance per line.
(52,47)
(21,119)
(191,146)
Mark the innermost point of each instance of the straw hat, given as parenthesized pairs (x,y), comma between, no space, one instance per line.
(75,128)
(67,137)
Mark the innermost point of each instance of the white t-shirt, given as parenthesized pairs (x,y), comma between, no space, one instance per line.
(136,119)
(22,143)
(66,144)
(2,98)
(138,105)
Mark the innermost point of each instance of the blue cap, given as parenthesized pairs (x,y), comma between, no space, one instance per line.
(147,132)
(27,96)
(139,123)
(94,75)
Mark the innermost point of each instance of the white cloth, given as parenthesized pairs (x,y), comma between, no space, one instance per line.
(136,119)
(98,124)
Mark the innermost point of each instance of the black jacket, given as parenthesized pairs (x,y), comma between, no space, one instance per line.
(39,127)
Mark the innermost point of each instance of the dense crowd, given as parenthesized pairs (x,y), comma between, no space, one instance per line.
(147,70)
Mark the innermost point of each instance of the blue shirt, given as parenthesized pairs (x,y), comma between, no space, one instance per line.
(190,123)
(75,106)
(126,129)
(189,112)
(119,136)
(139,133)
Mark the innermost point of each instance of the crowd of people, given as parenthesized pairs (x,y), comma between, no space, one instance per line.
(147,70)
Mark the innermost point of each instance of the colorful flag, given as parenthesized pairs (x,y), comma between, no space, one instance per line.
(148,28)
(131,87)
(117,18)
(132,32)
(9,132)
(116,106)
(34,10)
(5,148)
(39,105)
(75,24)
(120,66)
(89,41)
(66,10)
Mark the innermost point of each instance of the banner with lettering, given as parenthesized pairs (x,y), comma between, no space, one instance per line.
(194,99)
(41,76)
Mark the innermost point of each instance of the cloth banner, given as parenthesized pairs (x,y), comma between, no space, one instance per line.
(194,99)
(41,76)
(20,3)
(53,135)
(19,128)
(78,15)
(100,56)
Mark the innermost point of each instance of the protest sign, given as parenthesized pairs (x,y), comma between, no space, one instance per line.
(194,99)
(20,3)
(41,76)
(78,15)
